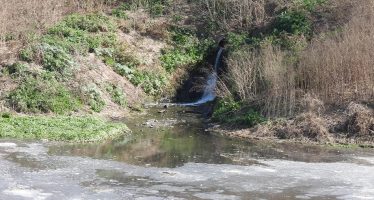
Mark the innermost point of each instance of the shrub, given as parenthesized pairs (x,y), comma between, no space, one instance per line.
(15,70)
(71,40)
(120,12)
(94,99)
(225,107)
(172,59)
(26,54)
(126,65)
(157,9)
(336,68)
(264,77)
(236,40)
(55,59)
(151,83)
(293,22)
(90,23)
(123,70)
(117,94)
(232,112)
(76,34)
(42,94)
(6,115)
(187,49)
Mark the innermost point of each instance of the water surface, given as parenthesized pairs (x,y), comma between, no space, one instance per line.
(171,156)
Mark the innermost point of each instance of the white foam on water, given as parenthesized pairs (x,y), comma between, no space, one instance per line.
(27,193)
(8,144)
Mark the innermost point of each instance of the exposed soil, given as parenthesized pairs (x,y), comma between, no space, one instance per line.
(93,71)
(6,85)
(141,42)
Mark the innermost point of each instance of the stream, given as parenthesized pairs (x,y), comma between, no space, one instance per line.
(169,155)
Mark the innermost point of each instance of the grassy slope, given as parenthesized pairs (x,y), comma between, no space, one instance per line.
(55,52)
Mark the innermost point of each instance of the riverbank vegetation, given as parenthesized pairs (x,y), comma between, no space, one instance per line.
(88,58)
(288,64)
(52,128)
(307,66)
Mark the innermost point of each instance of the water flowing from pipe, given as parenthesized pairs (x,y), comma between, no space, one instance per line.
(209,93)
(210,87)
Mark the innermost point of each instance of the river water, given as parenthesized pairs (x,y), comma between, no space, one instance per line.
(171,156)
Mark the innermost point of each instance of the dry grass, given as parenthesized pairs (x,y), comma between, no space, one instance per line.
(334,69)
(306,126)
(18,17)
(340,69)
(360,122)
(264,78)
(240,14)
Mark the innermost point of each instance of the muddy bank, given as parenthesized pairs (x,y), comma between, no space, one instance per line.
(352,126)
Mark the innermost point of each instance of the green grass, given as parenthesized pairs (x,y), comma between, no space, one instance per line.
(75,35)
(120,11)
(70,129)
(94,98)
(187,49)
(126,65)
(15,70)
(117,95)
(42,94)
(232,112)
(293,22)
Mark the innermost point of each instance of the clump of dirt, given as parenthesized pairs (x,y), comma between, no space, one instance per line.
(307,126)
(6,85)
(355,124)
(8,52)
(360,121)
(311,103)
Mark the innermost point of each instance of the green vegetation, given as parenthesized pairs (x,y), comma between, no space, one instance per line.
(70,129)
(94,99)
(126,65)
(117,94)
(293,22)
(232,112)
(120,11)
(289,33)
(76,34)
(6,115)
(156,8)
(90,22)
(42,94)
(187,49)
(15,70)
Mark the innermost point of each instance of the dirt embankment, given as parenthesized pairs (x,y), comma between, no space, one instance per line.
(352,125)
(143,42)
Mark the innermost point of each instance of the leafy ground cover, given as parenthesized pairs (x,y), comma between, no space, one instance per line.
(61,128)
